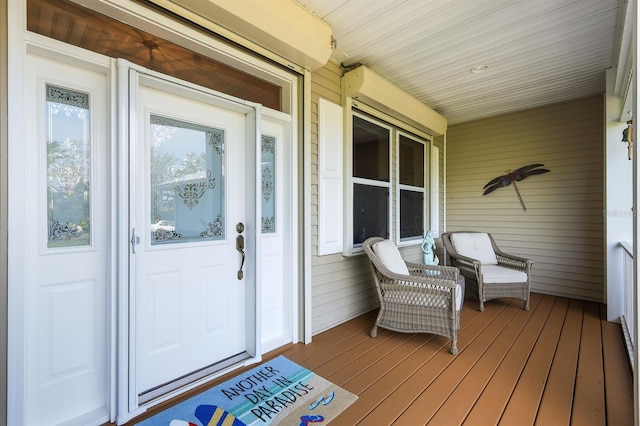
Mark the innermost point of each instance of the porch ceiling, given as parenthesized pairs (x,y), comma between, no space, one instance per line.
(536,52)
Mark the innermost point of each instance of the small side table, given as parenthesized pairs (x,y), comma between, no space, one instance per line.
(461,282)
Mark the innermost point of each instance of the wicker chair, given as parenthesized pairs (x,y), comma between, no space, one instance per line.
(490,273)
(417,298)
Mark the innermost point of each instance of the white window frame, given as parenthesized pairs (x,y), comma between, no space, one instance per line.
(425,189)
(396,127)
(349,244)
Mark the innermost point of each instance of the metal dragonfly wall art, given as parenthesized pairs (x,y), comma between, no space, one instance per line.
(512,177)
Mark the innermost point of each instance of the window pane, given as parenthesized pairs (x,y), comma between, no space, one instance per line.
(370,150)
(370,212)
(187,183)
(268,184)
(411,214)
(68,167)
(411,162)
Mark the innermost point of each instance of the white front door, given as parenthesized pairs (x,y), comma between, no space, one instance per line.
(193,233)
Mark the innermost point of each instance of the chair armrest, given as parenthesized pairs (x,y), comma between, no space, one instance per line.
(435,271)
(420,280)
(427,282)
(471,262)
(510,260)
(466,264)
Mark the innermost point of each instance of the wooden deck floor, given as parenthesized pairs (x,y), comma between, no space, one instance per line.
(561,363)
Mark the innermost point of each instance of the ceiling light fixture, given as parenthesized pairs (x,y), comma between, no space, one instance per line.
(479,68)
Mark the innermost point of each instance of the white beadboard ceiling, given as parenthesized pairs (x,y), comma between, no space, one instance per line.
(538,52)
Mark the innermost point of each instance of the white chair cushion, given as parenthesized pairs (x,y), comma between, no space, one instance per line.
(421,300)
(495,274)
(390,257)
(475,245)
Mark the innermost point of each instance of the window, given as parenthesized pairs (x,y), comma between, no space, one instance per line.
(68,121)
(371,179)
(383,177)
(411,187)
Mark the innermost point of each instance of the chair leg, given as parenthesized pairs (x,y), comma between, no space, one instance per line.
(526,304)
(374,330)
(454,346)
(481,305)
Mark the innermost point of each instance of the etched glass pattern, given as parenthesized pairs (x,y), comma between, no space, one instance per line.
(68,138)
(187,181)
(268,184)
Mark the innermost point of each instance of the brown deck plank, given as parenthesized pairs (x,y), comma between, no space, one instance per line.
(489,406)
(383,343)
(464,385)
(588,402)
(392,373)
(455,409)
(409,391)
(335,342)
(359,360)
(360,364)
(523,404)
(617,374)
(379,382)
(557,401)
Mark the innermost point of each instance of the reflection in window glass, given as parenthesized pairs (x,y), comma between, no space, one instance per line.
(411,161)
(370,150)
(370,212)
(68,127)
(187,182)
(371,179)
(268,184)
(411,214)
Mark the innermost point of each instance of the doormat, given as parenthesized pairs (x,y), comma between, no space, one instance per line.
(278,392)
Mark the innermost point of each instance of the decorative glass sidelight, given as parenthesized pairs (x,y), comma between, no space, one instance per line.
(68,136)
(187,181)
(268,184)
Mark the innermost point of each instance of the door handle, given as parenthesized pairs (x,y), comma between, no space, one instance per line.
(240,248)
(135,240)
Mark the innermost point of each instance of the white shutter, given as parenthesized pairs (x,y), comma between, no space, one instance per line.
(330,177)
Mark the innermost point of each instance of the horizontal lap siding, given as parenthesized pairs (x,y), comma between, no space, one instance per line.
(562,228)
(341,286)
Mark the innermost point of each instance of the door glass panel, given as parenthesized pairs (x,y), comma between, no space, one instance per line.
(187,182)
(268,184)
(68,138)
